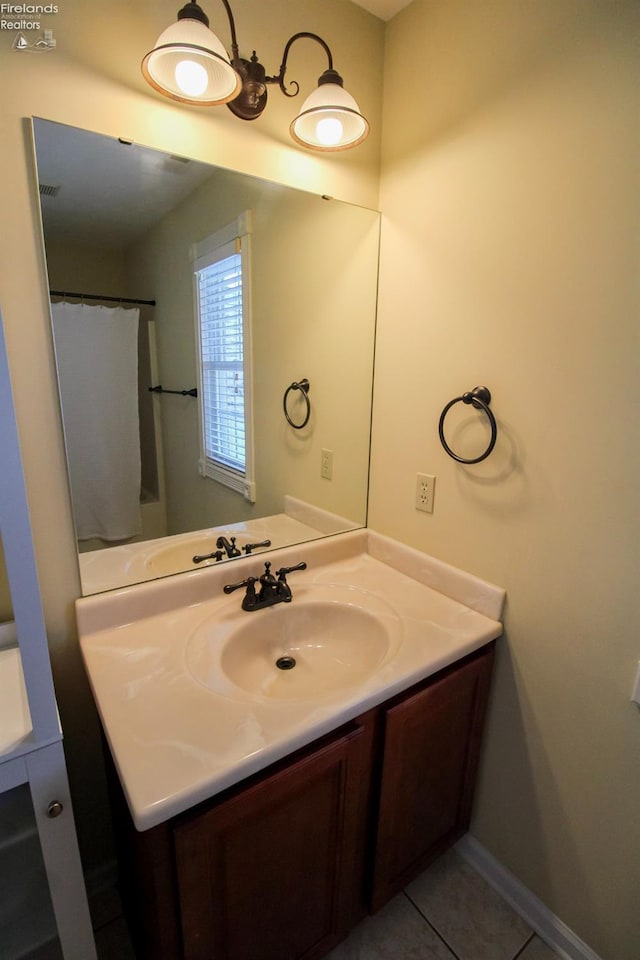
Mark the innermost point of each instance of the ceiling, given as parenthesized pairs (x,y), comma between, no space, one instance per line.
(105,191)
(385,9)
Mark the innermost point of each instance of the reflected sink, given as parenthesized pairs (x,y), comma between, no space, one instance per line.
(328,638)
(179,556)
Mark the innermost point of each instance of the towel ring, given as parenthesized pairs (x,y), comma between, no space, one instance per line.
(303,387)
(480,398)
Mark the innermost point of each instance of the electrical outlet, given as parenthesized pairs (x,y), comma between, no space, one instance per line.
(425,489)
(326,464)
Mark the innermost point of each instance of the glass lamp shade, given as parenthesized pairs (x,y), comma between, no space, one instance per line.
(329,119)
(190,64)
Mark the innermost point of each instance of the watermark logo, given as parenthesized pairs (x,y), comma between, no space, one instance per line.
(25,20)
(45,42)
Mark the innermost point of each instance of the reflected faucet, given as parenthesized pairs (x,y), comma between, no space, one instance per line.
(229,547)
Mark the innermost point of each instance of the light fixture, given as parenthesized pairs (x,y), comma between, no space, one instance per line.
(190,64)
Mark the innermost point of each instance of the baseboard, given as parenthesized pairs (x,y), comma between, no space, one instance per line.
(542,921)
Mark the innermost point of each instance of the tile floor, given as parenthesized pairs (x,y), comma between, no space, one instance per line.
(448,913)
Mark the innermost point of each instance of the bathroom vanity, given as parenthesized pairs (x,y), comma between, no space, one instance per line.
(260,820)
(286,863)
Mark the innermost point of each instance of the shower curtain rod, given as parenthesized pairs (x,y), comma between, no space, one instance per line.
(95,296)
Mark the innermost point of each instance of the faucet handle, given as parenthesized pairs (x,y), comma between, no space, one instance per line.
(283,571)
(216,555)
(248,583)
(248,547)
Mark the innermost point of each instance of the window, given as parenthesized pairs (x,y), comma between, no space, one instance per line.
(222,295)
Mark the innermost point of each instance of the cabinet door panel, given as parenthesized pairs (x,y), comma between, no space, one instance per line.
(431,746)
(268,873)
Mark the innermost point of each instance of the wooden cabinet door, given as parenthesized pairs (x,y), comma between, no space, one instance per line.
(270,873)
(431,747)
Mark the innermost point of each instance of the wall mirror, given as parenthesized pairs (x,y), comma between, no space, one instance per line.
(125,231)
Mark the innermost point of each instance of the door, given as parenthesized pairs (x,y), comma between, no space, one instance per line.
(430,758)
(274,872)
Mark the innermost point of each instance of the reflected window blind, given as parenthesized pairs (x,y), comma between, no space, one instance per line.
(222,295)
(221,344)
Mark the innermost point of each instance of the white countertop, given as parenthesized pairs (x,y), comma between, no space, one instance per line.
(15,719)
(176,742)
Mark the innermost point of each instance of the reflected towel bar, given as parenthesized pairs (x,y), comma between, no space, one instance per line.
(183,393)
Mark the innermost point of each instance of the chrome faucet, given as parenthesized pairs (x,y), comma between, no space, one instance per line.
(271,590)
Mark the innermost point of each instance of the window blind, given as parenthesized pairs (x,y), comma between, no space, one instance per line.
(221,344)
(222,294)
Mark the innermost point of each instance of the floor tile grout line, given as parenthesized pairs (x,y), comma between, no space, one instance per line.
(428,922)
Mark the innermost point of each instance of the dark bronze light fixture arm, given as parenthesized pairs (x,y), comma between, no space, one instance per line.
(252,100)
(232,27)
(193,11)
(279,79)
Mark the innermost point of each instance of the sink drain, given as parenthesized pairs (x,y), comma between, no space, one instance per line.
(285,663)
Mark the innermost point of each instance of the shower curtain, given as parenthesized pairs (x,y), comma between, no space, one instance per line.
(97,359)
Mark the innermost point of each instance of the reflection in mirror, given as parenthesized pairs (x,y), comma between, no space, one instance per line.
(140,248)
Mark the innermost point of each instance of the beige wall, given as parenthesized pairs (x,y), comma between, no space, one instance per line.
(509,258)
(314,270)
(78,268)
(84,83)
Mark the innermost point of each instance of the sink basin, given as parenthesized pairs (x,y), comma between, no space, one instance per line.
(328,638)
(179,556)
